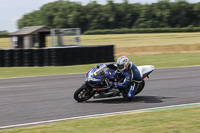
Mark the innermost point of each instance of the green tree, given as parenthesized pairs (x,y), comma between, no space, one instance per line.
(196,9)
(67,14)
(181,14)
(30,19)
(162,11)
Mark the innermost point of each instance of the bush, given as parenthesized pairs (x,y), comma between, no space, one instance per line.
(142,30)
(3,35)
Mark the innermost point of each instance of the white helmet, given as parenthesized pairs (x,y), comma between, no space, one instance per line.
(122,63)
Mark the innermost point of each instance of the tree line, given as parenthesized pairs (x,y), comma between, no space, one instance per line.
(3,33)
(93,16)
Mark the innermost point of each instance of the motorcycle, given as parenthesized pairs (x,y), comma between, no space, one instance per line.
(97,85)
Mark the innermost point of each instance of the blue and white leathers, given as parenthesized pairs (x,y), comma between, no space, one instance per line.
(131,73)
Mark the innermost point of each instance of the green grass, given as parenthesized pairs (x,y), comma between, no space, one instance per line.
(182,120)
(131,40)
(142,40)
(4,43)
(7,72)
(159,61)
(167,60)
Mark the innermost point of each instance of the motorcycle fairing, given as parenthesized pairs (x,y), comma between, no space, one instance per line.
(145,70)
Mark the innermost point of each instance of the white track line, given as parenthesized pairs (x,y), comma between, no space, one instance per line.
(95,115)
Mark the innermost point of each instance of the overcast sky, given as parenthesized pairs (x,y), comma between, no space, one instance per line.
(11,10)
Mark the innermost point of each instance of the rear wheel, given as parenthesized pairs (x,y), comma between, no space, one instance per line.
(139,87)
(83,93)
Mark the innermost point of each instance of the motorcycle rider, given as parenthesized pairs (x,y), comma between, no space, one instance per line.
(128,70)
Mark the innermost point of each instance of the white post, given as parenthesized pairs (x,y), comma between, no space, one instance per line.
(78,32)
(52,37)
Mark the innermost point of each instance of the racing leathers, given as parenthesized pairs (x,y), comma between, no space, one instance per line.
(130,74)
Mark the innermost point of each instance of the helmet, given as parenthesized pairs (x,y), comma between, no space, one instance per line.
(122,63)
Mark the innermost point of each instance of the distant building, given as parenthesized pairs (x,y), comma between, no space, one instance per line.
(28,37)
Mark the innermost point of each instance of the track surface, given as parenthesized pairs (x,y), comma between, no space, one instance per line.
(34,99)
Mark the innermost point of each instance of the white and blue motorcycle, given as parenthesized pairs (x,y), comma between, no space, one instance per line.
(97,85)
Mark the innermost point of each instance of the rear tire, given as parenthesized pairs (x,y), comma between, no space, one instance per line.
(139,87)
(83,93)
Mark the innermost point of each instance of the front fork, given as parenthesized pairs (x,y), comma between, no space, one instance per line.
(88,86)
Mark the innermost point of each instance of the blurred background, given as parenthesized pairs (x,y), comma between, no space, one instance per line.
(149,30)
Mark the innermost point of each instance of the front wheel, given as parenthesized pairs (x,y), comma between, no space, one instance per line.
(83,93)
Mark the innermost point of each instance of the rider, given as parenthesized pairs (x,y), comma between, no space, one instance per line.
(130,72)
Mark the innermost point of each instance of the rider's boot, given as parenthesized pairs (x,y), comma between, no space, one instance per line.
(131,92)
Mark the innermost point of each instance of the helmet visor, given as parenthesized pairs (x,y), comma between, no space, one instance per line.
(120,66)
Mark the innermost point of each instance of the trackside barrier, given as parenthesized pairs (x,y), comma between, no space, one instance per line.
(1,58)
(27,57)
(8,58)
(46,57)
(56,56)
(18,57)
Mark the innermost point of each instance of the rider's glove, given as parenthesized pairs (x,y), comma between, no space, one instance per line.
(113,84)
(117,71)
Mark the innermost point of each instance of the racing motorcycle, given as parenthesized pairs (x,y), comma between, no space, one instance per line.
(97,85)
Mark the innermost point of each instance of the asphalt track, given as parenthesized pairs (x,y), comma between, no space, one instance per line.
(34,99)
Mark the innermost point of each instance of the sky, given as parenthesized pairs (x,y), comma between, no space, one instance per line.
(12,10)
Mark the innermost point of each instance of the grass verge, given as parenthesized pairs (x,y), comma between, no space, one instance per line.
(142,40)
(160,121)
(131,40)
(158,49)
(159,61)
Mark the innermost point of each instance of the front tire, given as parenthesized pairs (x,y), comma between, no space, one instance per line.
(83,93)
